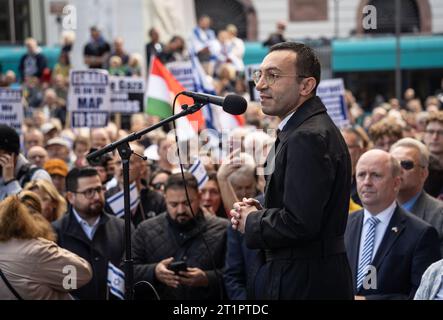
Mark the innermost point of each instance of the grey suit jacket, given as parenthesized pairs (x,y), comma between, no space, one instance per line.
(430,210)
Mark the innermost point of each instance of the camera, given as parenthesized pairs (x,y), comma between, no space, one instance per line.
(177,266)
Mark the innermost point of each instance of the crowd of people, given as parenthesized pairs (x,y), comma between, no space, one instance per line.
(55,204)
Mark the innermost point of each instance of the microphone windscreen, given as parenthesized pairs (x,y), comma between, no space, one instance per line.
(235,104)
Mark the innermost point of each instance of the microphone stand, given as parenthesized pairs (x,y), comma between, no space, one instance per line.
(125,152)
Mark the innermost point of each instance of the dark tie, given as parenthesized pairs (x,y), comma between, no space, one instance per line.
(277,140)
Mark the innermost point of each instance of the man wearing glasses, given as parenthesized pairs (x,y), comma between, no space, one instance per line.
(414,160)
(89,232)
(300,229)
(433,138)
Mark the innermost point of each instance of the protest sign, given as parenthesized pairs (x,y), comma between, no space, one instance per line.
(127,94)
(332,93)
(11,108)
(89,98)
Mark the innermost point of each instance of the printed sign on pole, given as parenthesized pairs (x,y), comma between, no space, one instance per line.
(127,94)
(182,71)
(11,108)
(332,93)
(89,98)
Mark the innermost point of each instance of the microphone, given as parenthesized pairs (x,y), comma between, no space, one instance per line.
(232,103)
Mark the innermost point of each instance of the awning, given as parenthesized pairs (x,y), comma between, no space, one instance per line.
(370,54)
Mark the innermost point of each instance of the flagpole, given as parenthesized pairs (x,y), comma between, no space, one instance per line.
(125,152)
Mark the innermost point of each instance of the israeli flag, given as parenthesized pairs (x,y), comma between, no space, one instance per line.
(117,203)
(199,172)
(116,281)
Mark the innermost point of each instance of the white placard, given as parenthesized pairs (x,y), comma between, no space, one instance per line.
(183,72)
(332,93)
(89,98)
(11,108)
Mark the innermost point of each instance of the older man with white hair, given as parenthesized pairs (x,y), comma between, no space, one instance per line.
(414,160)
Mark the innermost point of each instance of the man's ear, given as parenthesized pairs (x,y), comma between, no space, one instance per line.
(307,85)
(397,184)
(70,197)
(425,174)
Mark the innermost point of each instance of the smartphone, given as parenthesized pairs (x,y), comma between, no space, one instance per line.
(177,266)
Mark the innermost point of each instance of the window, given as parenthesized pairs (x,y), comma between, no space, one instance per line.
(15,20)
(308,10)
(409,21)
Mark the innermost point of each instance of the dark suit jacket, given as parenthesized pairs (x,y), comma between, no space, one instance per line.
(430,210)
(402,257)
(306,200)
(107,245)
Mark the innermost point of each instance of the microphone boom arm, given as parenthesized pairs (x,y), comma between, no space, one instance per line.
(137,135)
(125,152)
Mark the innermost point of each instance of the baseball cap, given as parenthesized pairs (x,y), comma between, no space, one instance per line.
(56,166)
(57,141)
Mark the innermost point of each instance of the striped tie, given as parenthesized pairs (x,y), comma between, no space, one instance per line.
(366,254)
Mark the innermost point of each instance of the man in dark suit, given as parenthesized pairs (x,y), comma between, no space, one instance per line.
(300,231)
(89,232)
(414,160)
(388,248)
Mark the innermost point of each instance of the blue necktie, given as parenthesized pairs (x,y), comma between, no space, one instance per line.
(366,254)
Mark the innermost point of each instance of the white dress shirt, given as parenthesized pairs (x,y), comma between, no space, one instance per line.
(282,124)
(384,217)
(439,295)
(87,228)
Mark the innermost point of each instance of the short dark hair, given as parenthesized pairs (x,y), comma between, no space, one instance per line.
(306,63)
(9,139)
(212,175)
(175,181)
(77,173)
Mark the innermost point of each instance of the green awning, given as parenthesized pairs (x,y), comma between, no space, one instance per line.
(368,54)
(254,52)
(10,56)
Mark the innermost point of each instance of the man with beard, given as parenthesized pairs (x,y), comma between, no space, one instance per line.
(89,232)
(179,234)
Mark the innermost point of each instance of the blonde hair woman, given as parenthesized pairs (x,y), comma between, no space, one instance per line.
(32,267)
(32,201)
(53,204)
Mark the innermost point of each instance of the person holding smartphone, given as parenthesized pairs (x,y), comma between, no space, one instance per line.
(15,169)
(170,252)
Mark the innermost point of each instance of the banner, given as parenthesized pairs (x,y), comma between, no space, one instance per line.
(11,108)
(89,98)
(127,94)
(332,93)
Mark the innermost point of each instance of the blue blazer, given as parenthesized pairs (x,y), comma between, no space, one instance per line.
(409,246)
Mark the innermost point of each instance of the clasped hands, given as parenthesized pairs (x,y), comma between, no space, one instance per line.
(240,212)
